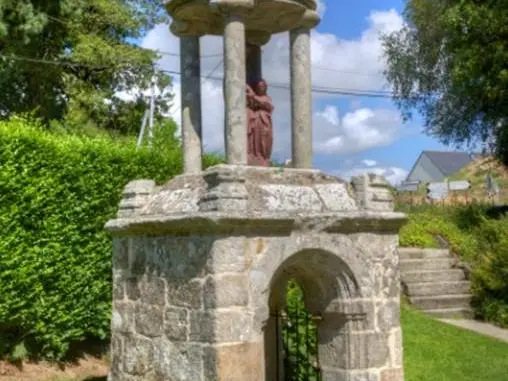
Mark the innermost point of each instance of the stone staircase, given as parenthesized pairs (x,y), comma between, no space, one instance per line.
(433,284)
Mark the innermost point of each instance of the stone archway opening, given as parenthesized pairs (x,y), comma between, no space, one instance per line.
(303,292)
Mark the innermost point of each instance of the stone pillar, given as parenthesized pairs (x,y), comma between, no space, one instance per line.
(301,91)
(191,104)
(234,88)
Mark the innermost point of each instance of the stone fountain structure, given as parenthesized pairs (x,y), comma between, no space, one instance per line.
(200,264)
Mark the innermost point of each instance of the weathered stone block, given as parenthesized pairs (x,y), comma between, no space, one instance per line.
(188,295)
(178,259)
(118,286)
(234,362)
(123,317)
(178,361)
(120,253)
(226,291)
(140,248)
(355,351)
(116,348)
(335,197)
(175,323)
(138,355)
(396,348)
(152,290)
(220,326)
(132,288)
(227,255)
(149,320)
(388,314)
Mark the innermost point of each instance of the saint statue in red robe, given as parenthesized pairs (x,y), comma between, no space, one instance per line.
(260,134)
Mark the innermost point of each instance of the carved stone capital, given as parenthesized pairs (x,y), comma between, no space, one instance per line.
(310,19)
(258,38)
(184,28)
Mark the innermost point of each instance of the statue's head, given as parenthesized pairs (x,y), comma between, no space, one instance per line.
(261,87)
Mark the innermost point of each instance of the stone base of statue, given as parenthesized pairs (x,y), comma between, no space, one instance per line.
(200,266)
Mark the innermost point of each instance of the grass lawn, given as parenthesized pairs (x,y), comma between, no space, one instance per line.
(435,351)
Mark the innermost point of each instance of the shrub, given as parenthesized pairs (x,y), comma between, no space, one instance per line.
(56,193)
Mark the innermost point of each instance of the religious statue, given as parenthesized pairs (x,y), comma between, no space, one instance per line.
(259,116)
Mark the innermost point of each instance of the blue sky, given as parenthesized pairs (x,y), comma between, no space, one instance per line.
(347,20)
(351,134)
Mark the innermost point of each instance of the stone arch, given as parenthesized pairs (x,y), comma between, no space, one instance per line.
(331,289)
(324,277)
(336,257)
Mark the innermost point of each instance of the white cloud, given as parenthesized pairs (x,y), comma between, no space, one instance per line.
(369,163)
(353,64)
(357,131)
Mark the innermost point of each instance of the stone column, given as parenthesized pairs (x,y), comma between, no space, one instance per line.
(234,88)
(191,104)
(301,91)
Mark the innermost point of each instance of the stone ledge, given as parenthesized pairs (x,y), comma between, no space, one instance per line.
(258,223)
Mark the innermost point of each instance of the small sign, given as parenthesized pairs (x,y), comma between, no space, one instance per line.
(437,195)
(408,187)
(459,185)
(438,187)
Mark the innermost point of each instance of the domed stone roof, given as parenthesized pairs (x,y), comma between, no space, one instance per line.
(262,19)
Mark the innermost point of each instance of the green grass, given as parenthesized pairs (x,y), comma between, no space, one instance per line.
(435,351)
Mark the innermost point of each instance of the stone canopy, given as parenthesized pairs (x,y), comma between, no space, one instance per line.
(264,17)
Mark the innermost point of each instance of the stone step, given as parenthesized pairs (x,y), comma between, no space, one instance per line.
(451,313)
(441,302)
(433,276)
(438,288)
(410,265)
(416,253)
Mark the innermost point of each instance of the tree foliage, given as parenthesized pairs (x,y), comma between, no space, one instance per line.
(67,59)
(450,63)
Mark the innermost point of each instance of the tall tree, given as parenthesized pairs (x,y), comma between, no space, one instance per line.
(450,63)
(66,59)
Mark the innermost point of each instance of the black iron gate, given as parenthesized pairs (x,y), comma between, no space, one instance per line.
(297,350)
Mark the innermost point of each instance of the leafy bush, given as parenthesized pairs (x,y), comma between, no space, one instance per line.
(56,193)
(479,235)
(299,332)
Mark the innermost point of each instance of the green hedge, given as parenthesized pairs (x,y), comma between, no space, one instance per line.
(56,193)
(479,235)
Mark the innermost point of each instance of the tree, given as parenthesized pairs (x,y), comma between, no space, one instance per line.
(450,63)
(66,60)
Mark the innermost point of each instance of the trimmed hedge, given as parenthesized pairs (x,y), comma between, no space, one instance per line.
(56,193)
(479,235)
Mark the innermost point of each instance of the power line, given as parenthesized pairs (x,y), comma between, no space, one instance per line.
(345,72)
(318,90)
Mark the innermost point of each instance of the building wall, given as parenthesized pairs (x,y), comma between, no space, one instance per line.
(425,171)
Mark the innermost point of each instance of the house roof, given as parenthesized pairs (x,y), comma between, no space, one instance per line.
(449,162)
